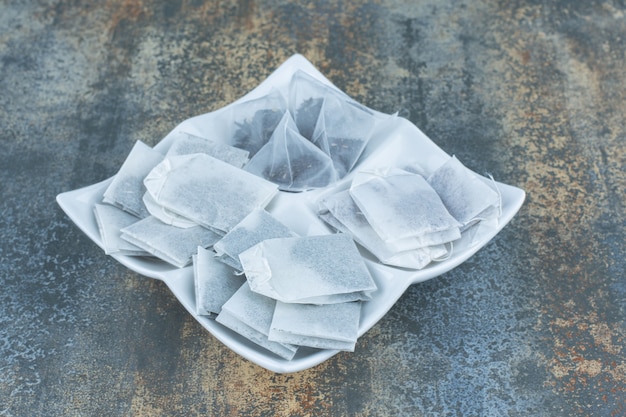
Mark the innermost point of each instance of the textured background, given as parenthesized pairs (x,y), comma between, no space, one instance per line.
(532,91)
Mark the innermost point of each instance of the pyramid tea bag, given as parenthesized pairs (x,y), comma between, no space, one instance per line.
(254,121)
(127,189)
(306,95)
(291,161)
(250,314)
(110,221)
(185,144)
(207,191)
(313,269)
(342,213)
(169,243)
(329,326)
(214,282)
(258,226)
(342,131)
(329,118)
(465,195)
(399,204)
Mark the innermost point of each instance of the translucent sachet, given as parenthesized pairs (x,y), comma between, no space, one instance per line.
(258,226)
(214,282)
(186,143)
(324,269)
(400,205)
(254,121)
(207,191)
(127,189)
(335,123)
(329,326)
(169,243)
(291,161)
(250,314)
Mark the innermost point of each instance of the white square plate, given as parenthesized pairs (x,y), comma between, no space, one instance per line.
(397,142)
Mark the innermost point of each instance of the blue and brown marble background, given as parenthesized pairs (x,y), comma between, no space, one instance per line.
(533,92)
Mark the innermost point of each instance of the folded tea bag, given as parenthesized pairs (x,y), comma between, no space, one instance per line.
(127,189)
(169,243)
(399,204)
(258,226)
(329,326)
(185,144)
(313,269)
(165,215)
(214,282)
(250,314)
(254,121)
(466,196)
(111,220)
(207,191)
(291,161)
(342,213)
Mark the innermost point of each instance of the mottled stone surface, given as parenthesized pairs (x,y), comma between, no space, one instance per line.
(532,91)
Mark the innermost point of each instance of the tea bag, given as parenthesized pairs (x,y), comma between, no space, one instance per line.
(250,314)
(185,144)
(171,244)
(127,189)
(329,326)
(306,95)
(400,205)
(258,226)
(342,131)
(291,161)
(207,191)
(214,282)
(111,220)
(329,118)
(324,269)
(254,121)
(465,195)
(342,213)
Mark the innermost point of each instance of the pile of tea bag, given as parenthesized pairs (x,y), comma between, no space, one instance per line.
(168,205)
(203,200)
(406,219)
(284,292)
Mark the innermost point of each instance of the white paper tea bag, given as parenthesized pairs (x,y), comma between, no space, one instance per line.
(127,189)
(207,191)
(342,213)
(466,196)
(169,243)
(185,144)
(258,226)
(110,221)
(250,314)
(399,204)
(291,161)
(313,269)
(329,326)
(254,121)
(214,282)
